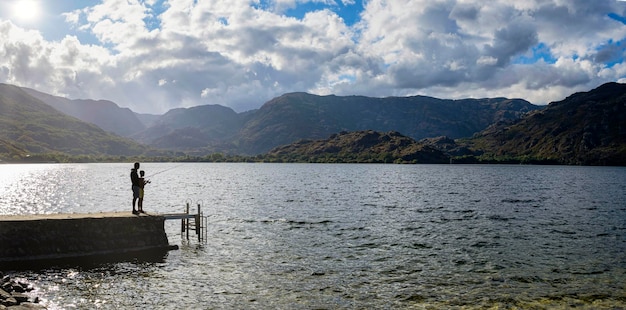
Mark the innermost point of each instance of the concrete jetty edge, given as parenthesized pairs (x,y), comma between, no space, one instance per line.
(38,241)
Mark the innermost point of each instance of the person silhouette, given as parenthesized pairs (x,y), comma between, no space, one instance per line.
(142,184)
(134,178)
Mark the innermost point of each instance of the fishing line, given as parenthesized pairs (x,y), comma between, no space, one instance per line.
(168,169)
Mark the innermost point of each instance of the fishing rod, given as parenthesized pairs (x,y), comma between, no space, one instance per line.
(168,169)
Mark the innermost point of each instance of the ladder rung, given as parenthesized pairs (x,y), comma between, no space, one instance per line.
(196,223)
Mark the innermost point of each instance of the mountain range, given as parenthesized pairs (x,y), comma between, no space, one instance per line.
(585,128)
(208,129)
(28,125)
(295,116)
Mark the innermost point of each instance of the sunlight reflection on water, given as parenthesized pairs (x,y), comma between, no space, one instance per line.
(349,236)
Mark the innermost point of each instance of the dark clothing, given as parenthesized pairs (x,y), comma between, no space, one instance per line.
(134,177)
(136,191)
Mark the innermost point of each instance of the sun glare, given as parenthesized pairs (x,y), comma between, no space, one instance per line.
(26,10)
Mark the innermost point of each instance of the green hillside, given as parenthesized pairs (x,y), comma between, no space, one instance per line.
(29,126)
(296,116)
(587,128)
(359,147)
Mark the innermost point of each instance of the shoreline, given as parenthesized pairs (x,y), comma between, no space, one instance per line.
(15,293)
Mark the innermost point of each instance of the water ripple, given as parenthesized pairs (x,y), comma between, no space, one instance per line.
(349,236)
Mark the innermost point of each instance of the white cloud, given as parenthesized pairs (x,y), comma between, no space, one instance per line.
(418,41)
(486,60)
(241,54)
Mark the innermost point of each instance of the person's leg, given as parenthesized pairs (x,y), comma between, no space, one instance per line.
(140,200)
(135,197)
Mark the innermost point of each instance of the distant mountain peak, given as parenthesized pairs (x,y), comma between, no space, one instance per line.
(102,113)
(603,92)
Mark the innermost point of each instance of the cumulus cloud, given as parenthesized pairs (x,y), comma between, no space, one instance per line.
(466,48)
(154,55)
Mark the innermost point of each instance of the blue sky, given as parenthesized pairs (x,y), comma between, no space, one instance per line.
(349,12)
(155,55)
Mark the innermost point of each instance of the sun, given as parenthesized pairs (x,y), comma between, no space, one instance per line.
(26,10)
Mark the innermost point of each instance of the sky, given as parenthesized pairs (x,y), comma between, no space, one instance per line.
(155,55)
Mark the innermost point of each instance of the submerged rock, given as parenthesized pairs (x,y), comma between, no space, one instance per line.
(13,295)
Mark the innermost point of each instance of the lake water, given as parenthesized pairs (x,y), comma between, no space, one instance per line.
(317,236)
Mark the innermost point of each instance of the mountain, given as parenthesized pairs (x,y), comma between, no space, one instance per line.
(103,113)
(193,128)
(359,147)
(146,119)
(11,150)
(295,116)
(586,128)
(290,117)
(27,125)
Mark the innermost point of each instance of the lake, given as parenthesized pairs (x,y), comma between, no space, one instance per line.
(336,236)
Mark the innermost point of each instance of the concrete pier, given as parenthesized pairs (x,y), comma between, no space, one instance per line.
(29,241)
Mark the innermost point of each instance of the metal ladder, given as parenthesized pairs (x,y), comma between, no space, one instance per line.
(196,222)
